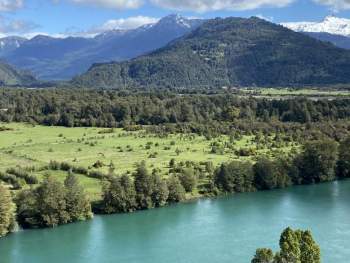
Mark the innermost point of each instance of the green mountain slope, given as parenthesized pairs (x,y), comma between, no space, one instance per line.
(9,76)
(229,52)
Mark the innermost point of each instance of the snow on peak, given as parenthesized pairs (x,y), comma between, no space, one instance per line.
(330,24)
(175,19)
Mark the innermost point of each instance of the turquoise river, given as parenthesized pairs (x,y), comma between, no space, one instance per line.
(223,230)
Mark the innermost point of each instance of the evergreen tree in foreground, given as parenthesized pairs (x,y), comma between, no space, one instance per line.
(7,212)
(295,247)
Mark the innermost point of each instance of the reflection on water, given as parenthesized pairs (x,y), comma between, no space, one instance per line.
(210,230)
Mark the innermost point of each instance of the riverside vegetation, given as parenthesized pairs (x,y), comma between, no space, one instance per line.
(147,155)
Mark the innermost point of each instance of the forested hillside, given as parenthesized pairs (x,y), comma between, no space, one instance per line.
(9,76)
(229,52)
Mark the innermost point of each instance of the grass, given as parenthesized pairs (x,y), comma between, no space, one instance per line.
(299,92)
(26,145)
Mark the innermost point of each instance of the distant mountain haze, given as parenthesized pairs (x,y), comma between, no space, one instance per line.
(9,76)
(56,59)
(229,52)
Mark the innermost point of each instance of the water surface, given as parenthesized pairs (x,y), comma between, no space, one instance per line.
(223,230)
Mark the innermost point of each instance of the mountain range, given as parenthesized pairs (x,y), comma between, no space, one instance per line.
(331,29)
(330,24)
(51,58)
(182,52)
(229,52)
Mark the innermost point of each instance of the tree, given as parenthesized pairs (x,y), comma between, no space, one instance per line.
(176,190)
(160,191)
(143,187)
(52,206)
(119,195)
(290,246)
(235,177)
(263,255)
(27,209)
(295,247)
(310,251)
(7,211)
(317,162)
(188,179)
(77,202)
(343,164)
(265,174)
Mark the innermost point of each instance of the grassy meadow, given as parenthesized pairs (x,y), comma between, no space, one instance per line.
(24,145)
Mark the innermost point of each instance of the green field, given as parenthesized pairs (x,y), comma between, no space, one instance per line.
(285,92)
(25,145)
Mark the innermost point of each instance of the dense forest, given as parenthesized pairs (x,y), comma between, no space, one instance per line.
(169,112)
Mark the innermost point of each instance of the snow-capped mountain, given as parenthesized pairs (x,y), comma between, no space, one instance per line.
(63,58)
(331,25)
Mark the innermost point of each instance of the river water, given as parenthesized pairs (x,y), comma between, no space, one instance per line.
(224,230)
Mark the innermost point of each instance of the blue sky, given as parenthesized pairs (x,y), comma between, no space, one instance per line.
(74,17)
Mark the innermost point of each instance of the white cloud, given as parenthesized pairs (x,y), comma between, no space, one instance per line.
(15,27)
(113,24)
(267,18)
(215,5)
(336,5)
(128,23)
(117,4)
(10,5)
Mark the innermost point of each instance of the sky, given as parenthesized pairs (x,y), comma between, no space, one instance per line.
(62,18)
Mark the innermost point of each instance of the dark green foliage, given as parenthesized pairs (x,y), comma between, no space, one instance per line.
(263,255)
(317,162)
(167,112)
(310,251)
(7,212)
(12,180)
(160,191)
(188,179)
(119,195)
(143,187)
(235,177)
(77,202)
(23,174)
(295,247)
(290,246)
(27,209)
(265,177)
(52,204)
(229,52)
(176,190)
(270,174)
(343,165)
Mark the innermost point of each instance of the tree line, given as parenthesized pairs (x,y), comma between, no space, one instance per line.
(103,108)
